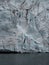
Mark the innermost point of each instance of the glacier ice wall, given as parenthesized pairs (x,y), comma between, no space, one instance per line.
(24,25)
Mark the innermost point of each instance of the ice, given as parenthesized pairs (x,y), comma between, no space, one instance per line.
(24,25)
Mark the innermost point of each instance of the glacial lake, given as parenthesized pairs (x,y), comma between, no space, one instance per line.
(24,59)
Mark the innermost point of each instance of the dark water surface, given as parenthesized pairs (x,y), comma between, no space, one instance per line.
(24,59)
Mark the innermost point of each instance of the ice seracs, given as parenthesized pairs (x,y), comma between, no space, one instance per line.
(24,25)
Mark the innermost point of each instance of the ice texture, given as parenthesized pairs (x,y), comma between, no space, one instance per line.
(24,25)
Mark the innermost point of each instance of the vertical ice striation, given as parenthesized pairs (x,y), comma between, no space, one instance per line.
(24,25)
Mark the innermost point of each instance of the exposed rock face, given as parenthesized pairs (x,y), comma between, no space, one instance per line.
(24,25)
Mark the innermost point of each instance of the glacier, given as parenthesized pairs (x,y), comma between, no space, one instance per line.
(24,25)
